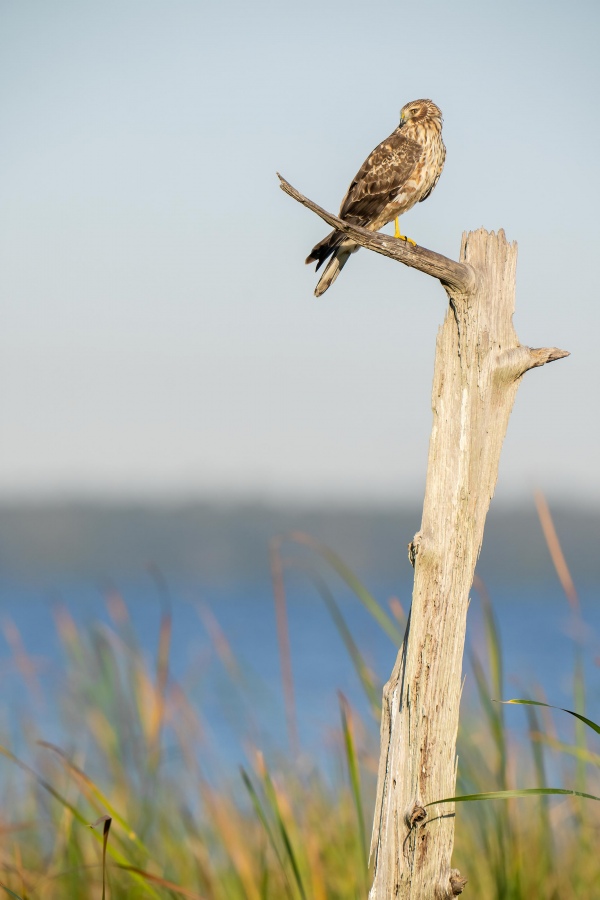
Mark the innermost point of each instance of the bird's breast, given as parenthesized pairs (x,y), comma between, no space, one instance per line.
(420,182)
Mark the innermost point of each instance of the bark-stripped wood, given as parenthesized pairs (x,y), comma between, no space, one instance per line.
(478,367)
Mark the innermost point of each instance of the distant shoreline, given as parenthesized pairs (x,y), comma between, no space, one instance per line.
(215,540)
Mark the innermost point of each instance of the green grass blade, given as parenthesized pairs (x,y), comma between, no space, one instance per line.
(354,773)
(537,752)
(355,585)
(580,732)
(370,685)
(283,640)
(494,646)
(495,720)
(285,837)
(8,891)
(494,657)
(264,875)
(506,795)
(94,793)
(118,857)
(593,725)
(44,784)
(264,820)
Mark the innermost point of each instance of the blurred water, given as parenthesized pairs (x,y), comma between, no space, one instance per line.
(535,623)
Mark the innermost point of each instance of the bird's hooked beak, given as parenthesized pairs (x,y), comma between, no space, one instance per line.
(402,120)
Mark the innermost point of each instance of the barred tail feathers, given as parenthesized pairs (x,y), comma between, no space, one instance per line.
(334,267)
(339,247)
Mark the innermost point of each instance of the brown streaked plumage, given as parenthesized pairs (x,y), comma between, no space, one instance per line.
(401,171)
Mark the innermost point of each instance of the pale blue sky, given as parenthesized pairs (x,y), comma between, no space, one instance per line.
(141,354)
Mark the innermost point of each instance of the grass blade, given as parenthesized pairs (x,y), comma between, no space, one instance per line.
(493,643)
(162,882)
(355,585)
(271,796)
(118,857)
(495,720)
(495,688)
(370,685)
(8,891)
(354,773)
(537,751)
(106,822)
(258,807)
(93,793)
(593,725)
(264,819)
(579,703)
(283,639)
(507,795)
(556,553)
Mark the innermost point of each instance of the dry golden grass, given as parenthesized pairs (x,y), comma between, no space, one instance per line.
(182,826)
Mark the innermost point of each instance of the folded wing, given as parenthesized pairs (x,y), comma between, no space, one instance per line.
(380,178)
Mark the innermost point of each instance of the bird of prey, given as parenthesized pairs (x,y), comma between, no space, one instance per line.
(401,171)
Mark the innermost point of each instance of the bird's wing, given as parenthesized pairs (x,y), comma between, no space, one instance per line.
(380,178)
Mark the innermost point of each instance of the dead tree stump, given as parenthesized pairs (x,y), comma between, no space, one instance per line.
(478,367)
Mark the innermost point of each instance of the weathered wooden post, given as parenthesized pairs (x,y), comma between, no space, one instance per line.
(478,367)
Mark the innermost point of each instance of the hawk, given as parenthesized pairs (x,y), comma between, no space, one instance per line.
(401,171)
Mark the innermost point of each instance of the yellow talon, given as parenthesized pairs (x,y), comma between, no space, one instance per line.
(397,233)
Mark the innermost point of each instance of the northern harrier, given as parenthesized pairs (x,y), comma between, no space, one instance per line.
(401,171)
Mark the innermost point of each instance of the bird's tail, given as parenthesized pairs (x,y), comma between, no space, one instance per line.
(339,248)
(325,248)
(333,269)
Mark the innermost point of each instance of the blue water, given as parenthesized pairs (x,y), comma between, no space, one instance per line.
(535,622)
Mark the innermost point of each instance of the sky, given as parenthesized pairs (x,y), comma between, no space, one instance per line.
(159,336)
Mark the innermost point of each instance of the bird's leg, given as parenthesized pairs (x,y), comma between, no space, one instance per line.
(397,233)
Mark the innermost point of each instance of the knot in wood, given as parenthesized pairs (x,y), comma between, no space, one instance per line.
(457,882)
(416,816)
(413,548)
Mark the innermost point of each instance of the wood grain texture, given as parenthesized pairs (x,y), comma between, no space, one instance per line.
(478,367)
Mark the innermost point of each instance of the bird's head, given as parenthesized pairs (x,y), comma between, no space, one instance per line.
(418,110)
